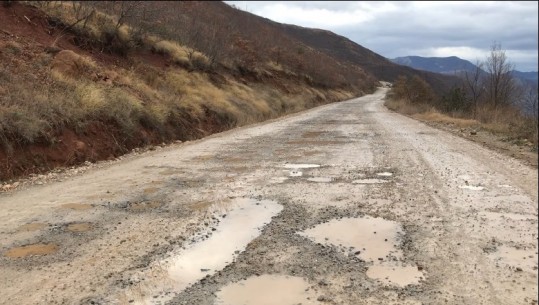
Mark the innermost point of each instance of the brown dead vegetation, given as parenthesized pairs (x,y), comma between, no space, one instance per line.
(68,97)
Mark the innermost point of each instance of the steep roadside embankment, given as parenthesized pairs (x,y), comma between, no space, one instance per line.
(73,102)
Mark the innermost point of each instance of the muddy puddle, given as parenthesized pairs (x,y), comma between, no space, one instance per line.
(374,240)
(76,206)
(267,290)
(393,274)
(150,190)
(79,227)
(244,221)
(30,227)
(28,250)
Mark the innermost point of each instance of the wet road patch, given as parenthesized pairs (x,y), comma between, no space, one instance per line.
(267,290)
(29,250)
(242,223)
(79,227)
(30,227)
(374,240)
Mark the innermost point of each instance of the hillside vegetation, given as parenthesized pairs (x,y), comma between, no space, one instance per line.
(492,99)
(80,83)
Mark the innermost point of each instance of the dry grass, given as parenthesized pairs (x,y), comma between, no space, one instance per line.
(507,122)
(44,93)
(435,116)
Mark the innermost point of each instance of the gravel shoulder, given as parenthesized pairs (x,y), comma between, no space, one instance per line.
(458,221)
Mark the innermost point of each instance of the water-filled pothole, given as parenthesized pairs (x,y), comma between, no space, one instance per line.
(370,181)
(79,227)
(369,238)
(320,179)
(394,274)
(28,250)
(30,227)
(267,290)
(300,165)
(374,240)
(244,221)
(472,187)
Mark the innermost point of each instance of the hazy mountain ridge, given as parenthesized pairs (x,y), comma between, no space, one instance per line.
(453,65)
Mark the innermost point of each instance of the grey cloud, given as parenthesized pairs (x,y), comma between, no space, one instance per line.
(400,28)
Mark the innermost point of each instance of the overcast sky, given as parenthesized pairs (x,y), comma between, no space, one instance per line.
(430,29)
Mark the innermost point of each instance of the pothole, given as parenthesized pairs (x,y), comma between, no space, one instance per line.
(300,165)
(150,190)
(369,238)
(295,173)
(30,227)
(79,227)
(244,221)
(370,181)
(28,250)
(472,187)
(320,179)
(394,274)
(278,179)
(76,206)
(374,240)
(145,205)
(267,290)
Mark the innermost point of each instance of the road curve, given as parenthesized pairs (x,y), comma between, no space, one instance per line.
(346,203)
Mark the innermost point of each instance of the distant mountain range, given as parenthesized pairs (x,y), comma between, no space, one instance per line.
(453,65)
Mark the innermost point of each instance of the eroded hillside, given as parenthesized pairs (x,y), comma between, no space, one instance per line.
(64,102)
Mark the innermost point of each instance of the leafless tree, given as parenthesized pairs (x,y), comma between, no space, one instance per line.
(81,12)
(474,83)
(500,83)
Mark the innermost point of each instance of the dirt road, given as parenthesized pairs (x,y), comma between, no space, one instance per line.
(343,204)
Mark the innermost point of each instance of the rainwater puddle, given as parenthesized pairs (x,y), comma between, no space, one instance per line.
(243,222)
(373,240)
(392,274)
(472,187)
(76,206)
(294,173)
(373,237)
(521,258)
(267,290)
(370,181)
(300,165)
(79,227)
(30,227)
(320,179)
(385,174)
(35,249)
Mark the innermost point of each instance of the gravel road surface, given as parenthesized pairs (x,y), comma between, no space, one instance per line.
(346,203)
